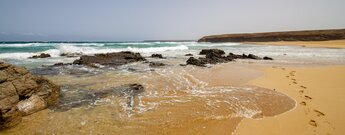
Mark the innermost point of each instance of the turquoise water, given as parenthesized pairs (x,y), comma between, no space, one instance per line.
(18,52)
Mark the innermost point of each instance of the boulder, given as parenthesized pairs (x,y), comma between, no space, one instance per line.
(157,56)
(111,59)
(196,62)
(22,93)
(207,51)
(42,55)
(267,58)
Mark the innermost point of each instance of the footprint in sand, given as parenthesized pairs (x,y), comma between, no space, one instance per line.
(303,103)
(303,87)
(307,97)
(287,76)
(293,79)
(313,123)
(318,113)
(294,82)
(301,91)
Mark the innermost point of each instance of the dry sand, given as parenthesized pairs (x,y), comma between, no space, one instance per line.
(319,92)
(325,44)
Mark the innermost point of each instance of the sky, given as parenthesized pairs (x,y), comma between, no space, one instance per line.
(136,20)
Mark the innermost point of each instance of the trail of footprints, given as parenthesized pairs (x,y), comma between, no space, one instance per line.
(305,100)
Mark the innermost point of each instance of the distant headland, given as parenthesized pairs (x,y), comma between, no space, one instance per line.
(307,35)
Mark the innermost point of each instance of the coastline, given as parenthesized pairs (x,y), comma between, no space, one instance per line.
(320,44)
(322,112)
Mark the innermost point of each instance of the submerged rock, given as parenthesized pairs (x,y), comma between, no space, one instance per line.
(111,59)
(22,93)
(42,55)
(74,97)
(188,54)
(156,64)
(75,54)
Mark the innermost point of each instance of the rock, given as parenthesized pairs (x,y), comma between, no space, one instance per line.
(207,51)
(267,58)
(214,56)
(75,54)
(22,93)
(110,59)
(74,97)
(252,56)
(189,54)
(42,55)
(157,56)
(196,62)
(183,65)
(156,64)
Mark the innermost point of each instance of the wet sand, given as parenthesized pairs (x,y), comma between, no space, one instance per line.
(323,44)
(319,92)
(177,100)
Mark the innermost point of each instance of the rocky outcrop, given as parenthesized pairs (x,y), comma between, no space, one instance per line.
(70,55)
(110,59)
(42,55)
(311,35)
(157,56)
(22,93)
(208,51)
(214,56)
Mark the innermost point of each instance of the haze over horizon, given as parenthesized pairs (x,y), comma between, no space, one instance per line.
(130,20)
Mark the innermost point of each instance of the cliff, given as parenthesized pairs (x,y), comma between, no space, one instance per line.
(309,35)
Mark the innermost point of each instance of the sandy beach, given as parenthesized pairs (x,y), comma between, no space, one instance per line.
(318,92)
(323,44)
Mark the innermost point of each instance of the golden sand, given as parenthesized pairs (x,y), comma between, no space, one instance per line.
(324,44)
(320,93)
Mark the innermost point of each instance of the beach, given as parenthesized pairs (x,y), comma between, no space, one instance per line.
(320,114)
(324,44)
(300,89)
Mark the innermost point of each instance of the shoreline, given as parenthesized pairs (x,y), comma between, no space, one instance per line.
(336,44)
(316,110)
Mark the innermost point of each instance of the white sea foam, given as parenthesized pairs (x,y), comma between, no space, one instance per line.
(22,45)
(16,55)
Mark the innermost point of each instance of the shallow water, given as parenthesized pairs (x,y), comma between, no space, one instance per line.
(176,100)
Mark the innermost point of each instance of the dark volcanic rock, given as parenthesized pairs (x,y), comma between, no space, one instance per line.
(189,54)
(157,56)
(156,64)
(22,93)
(74,97)
(207,51)
(311,35)
(76,54)
(111,59)
(267,58)
(42,55)
(214,56)
(197,62)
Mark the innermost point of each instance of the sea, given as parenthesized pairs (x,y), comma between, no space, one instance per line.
(18,52)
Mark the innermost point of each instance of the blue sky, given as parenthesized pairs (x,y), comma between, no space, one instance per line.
(128,20)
